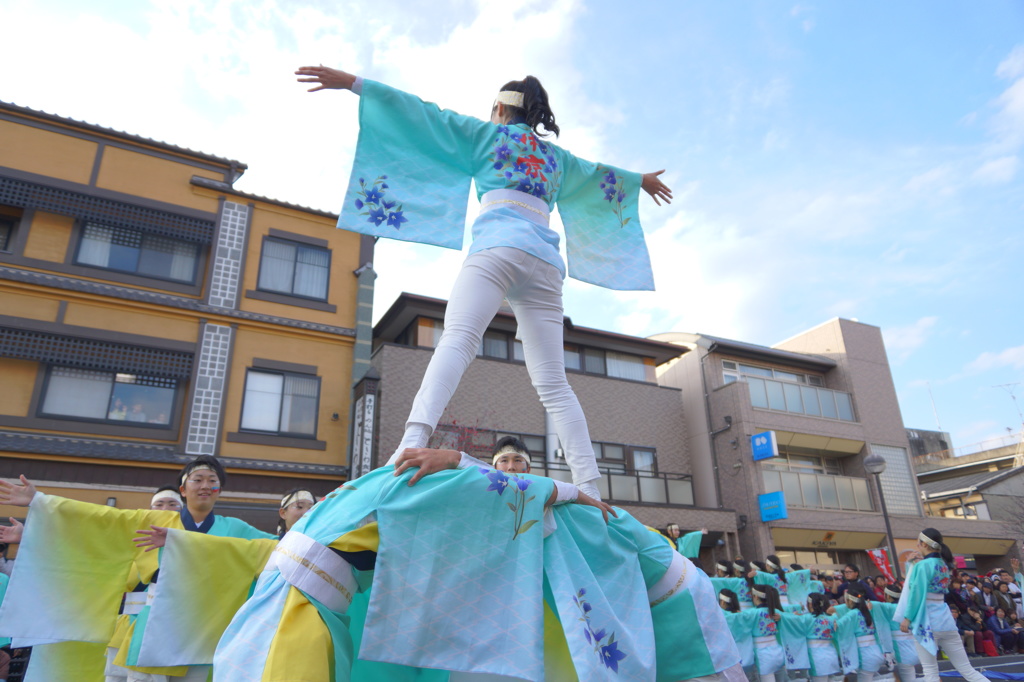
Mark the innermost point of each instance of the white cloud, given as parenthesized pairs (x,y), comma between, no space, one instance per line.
(902,342)
(1009,357)
(772,93)
(774,141)
(997,171)
(1013,65)
(937,179)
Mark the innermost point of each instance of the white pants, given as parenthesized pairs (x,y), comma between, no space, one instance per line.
(907,672)
(534,290)
(949,641)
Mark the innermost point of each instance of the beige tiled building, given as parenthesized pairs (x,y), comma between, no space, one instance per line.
(636,424)
(828,396)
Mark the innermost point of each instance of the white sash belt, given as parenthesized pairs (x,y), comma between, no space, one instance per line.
(819,643)
(133,603)
(670,583)
(314,569)
(767,640)
(899,634)
(936,596)
(527,205)
(866,640)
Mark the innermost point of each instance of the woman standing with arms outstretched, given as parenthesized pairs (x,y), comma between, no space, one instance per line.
(922,610)
(410,178)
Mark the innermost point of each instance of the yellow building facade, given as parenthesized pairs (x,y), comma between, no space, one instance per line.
(150,313)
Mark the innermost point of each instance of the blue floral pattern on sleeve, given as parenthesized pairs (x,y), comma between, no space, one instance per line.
(614,188)
(940,579)
(499,482)
(525,162)
(379,209)
(609,651)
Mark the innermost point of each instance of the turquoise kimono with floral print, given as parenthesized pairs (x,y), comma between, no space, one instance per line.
(737,585)
(411,177)
(797,629)
(851,625)
(930,575)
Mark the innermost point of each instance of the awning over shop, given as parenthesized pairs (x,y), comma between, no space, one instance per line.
(996,547)
(803,538)
(842,446)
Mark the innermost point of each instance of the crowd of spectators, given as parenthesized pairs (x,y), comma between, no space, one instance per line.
(986,607)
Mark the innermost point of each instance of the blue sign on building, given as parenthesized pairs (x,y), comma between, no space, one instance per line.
(773,506)
(764,445)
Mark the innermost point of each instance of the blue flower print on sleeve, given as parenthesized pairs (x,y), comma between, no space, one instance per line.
(608,651)
(614,188)
(377,209)
(499,482)
(514,156)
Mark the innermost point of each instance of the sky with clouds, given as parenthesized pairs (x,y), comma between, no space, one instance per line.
(860,160)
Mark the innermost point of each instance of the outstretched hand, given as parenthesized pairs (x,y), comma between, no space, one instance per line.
(326,78)
(605,508)
(17,495)
(11,535)
(428,460)
(151,539)
(653,185)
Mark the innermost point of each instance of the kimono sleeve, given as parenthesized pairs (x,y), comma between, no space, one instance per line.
(72,567)
(846,636)
(914,595)
(605,243)
(204,580)
(794,630)
(883,631)
(412,170)
(689,544)
(799,585)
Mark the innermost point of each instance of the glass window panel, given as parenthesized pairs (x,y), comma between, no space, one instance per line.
(897,480)
(805,559)
(624,488)
(860,492)
(828,404)
(312,270)
(94,248)
(793,402)
(772,481)
(776,400)
(728,364)
(613,451)
(517,351)
(623,366)
(810,401)
(167,258)
(572,358)
(643,460)
(758,397)
(809,488)
(536,446)
(829,494)
(495,345)
(844,486)
(844,405)
(791,488)
(6,230)
(653,490)
(814,381)
(602,486)
(757,371)
(125,247)
(789,376)
(594,361)
(680,491)
(730,378)
(277,266)
(78,393)
(263,393)
(299,405)
(148,400)
(566,476)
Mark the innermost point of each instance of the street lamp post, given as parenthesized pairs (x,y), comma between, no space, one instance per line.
(875,465)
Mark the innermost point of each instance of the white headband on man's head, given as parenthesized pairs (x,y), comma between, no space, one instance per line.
(201,467)
(506,449)
(934,544)
(165,495)
(297,496)
(510,98)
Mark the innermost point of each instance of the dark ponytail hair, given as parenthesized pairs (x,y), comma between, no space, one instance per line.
(781,574)
(819,603)
(944,551)
(857,590)
(744,568)
(535,110)
(771,599)
(733,603)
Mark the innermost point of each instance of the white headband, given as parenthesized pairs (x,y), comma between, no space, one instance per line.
(725,599)
(737,567)
(854,599)
(506,449)
(934,544)
(894,595)
(296,497)
(722,567)
(511,98)
(201,467)
(771,564)
(165,495)
(758,594)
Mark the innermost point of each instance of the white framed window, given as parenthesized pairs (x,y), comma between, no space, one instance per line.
(127,250)
(280,403)
(114,397)
(295,269)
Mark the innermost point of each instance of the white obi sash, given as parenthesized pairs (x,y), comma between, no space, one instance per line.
(314,569)
(133,602)
(526,205)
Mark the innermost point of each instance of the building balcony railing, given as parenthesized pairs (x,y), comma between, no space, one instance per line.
(646,487)
(820,491)
(812,401)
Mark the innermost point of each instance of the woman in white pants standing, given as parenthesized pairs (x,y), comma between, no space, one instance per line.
(922,610)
